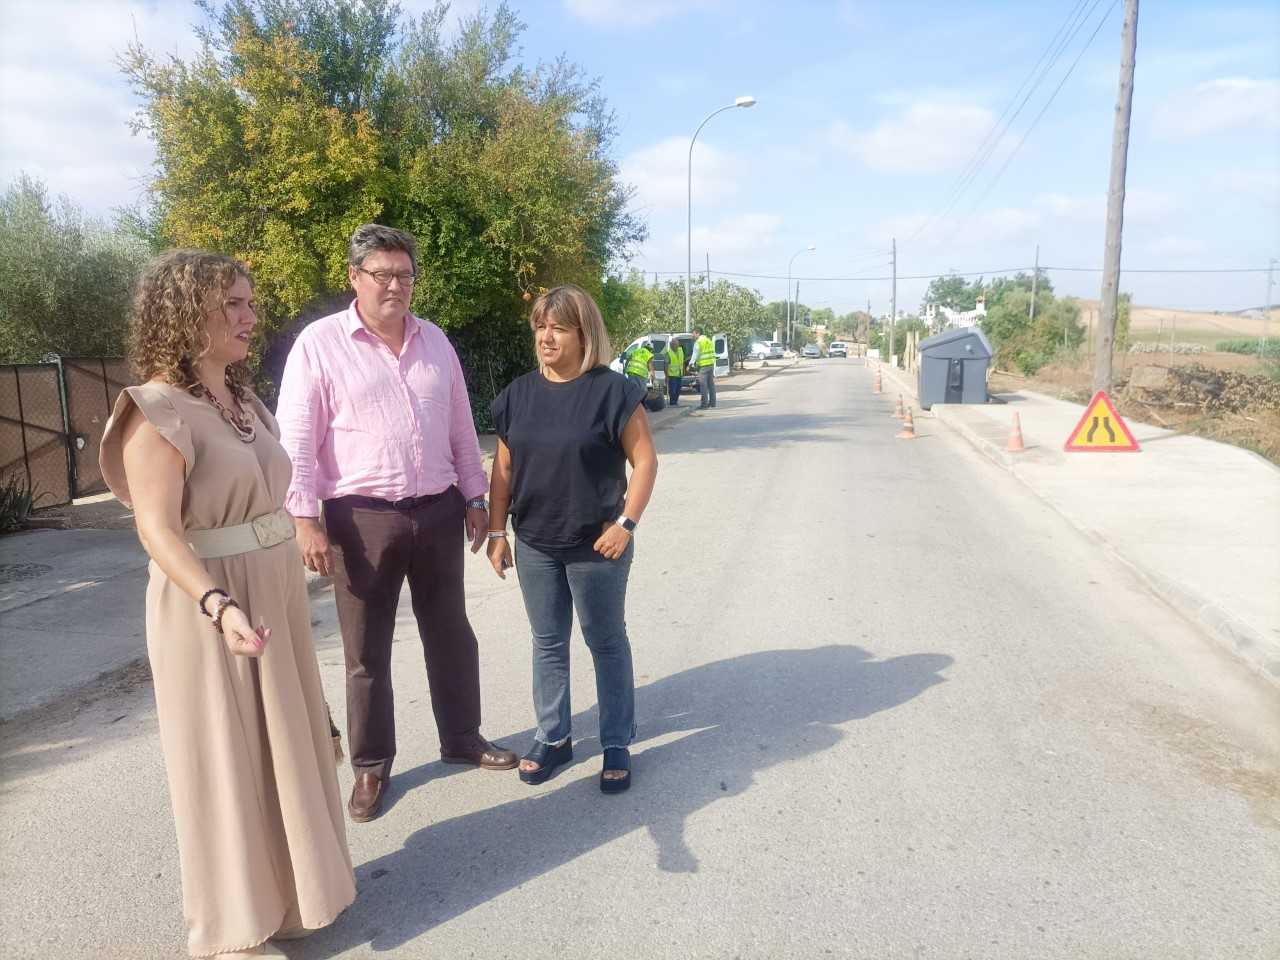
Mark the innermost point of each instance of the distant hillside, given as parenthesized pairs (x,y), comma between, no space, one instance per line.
(1190,323)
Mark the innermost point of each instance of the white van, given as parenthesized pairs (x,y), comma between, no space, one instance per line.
(658,343)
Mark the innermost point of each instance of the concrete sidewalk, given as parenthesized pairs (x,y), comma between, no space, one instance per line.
(1197,520)
(72,601)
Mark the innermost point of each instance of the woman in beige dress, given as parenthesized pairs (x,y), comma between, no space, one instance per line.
(261,838)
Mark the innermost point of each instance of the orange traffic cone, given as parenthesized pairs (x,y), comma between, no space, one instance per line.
(878,390)
(908,431)
(897,411)
(1015,437)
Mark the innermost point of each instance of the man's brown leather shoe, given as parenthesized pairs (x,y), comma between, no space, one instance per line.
(366,798)
(474,749)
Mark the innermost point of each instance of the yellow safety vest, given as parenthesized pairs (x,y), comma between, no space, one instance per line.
(675,361)
(638,363)
(706,352)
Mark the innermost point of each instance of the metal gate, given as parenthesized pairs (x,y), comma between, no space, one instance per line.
(52,417)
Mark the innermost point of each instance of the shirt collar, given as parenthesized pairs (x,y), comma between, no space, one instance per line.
(354,324)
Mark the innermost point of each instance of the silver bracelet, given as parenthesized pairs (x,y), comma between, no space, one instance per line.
(497,534)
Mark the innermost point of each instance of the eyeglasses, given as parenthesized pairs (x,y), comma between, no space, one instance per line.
(383,278)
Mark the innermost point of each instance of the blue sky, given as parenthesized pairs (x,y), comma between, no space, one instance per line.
(868,114)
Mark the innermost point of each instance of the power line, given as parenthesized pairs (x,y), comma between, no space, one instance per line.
(1124,270)
(1048,103)
(973,273)
(921,276)
(1057,44)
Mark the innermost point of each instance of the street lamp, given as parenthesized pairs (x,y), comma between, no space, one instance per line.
(807,249)
(688,276)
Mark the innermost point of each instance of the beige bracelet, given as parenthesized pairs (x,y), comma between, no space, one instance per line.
(497,534)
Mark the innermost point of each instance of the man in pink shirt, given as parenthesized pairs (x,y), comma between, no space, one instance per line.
(375,416)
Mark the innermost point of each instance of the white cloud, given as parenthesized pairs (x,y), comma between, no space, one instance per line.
(1141,207)
(1172,247)
(741,235)
(743,241)
(1226,104)
(660,174)
(1260,183)
(929,137)
(64,115)
(630,13)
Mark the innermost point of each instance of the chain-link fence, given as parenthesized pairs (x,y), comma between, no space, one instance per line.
(52,417)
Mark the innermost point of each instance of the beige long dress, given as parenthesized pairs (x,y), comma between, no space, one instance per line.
(261,836)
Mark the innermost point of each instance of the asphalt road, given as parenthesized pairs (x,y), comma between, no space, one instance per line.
(890,705)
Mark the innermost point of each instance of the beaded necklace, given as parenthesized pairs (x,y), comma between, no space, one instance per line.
(239,420)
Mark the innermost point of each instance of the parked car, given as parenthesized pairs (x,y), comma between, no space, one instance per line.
(766,350)
(811,351)
(838,349)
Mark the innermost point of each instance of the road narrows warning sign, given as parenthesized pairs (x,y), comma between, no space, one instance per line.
(1101,429)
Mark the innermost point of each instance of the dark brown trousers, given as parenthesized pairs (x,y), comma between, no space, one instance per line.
(377,546)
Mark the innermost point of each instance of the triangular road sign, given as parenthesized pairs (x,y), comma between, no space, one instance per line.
(1101,429)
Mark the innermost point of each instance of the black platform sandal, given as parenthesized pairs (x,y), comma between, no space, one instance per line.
(548,759)
(616,758)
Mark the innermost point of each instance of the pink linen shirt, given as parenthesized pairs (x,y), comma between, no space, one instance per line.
(356,419)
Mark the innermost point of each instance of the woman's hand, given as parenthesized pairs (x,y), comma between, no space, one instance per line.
(240,636)
(500,556)
(613,541)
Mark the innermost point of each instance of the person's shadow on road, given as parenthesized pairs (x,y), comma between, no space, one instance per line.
(738,716)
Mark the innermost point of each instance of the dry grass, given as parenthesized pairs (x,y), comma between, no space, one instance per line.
(1256,427)
(1195,326)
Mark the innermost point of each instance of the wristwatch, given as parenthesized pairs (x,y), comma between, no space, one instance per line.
(626,523)
(477,503)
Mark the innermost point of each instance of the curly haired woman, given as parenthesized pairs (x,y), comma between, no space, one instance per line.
(261,838)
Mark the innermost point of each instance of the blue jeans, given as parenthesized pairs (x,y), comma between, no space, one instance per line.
(554,585)
(673,385)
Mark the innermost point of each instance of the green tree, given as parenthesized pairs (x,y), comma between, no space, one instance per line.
(1025,343)
(822,316)
(65,280)
(952,291)
(301,119)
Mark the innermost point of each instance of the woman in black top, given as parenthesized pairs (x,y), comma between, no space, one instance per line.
(566,432)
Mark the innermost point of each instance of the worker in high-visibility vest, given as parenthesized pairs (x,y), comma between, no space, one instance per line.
(675,370)
(640,362)
(703,362)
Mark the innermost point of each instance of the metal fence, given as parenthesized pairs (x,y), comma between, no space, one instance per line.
(52,417)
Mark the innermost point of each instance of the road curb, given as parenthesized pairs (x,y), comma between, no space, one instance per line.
(1243,640)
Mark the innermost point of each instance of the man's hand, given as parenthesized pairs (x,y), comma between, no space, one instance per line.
(477,527)
(317,555)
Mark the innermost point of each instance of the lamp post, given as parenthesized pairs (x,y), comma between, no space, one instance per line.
(688,276)
(790,263)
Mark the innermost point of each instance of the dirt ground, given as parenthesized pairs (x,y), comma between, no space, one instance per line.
(1220,396)
(103,512)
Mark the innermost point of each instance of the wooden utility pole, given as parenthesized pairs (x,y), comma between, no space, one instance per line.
(893,296)
(1115,201)
(1266,309)
(1035,282)
(708,271)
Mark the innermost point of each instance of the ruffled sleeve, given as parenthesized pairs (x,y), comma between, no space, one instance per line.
(161,414)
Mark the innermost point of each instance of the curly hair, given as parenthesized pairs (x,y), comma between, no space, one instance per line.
(167,322)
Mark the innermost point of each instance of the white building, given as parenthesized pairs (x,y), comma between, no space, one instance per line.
(941,318)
